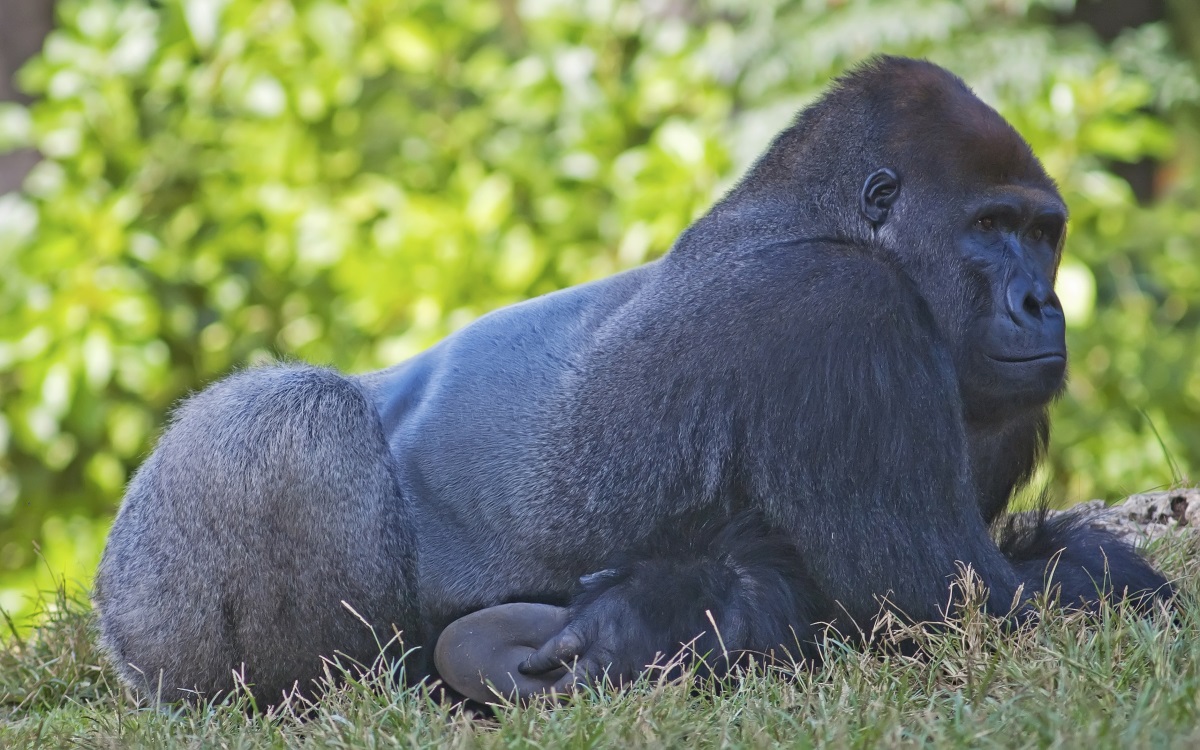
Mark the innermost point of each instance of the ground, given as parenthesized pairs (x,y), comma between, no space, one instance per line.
(1112,680)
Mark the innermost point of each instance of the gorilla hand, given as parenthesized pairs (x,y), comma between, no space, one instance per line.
(606,636)
(521,650)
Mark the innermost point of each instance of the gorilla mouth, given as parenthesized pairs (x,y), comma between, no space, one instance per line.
(1026,358)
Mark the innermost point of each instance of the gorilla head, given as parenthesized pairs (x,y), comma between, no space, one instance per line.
(990,250)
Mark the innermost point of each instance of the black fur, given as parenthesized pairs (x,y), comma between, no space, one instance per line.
(860,365)
(1079,562)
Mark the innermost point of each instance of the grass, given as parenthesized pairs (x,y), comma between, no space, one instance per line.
(1077,680)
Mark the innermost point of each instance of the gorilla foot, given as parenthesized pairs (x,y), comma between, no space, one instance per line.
(479,654)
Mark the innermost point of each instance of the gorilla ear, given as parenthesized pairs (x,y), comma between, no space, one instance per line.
(878,194)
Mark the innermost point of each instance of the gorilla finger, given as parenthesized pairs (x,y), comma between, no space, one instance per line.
(584,672)
(561,650)
(569,683)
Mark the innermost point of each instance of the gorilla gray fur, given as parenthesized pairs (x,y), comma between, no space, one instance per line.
(270,500)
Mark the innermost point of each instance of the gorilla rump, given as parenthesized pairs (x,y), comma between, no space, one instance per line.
(821,397)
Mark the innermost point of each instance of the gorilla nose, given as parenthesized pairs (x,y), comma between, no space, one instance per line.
(1029,301)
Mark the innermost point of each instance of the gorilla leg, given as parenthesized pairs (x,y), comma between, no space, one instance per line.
(1082,564)
(720,595)
(269,509)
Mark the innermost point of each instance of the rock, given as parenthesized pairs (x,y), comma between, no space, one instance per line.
(1144,517)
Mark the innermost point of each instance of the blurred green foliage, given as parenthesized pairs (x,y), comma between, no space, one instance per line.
(229,181)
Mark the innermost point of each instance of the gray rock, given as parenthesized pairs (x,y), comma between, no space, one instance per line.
(1142,518)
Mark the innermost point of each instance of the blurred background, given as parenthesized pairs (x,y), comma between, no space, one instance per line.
(193,186)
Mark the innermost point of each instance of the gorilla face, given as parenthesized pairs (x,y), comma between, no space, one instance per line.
(986,267)
(974,220)
(1015,352)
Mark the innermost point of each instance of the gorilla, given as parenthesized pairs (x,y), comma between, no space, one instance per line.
(820,401)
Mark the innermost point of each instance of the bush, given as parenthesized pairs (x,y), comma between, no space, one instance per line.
(346,182)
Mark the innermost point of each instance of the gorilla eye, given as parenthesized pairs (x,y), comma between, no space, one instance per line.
(1038,235)
(987,223)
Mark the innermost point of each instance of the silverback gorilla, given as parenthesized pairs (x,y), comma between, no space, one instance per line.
(820,399)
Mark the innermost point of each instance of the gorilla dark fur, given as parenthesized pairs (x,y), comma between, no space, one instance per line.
(841,371)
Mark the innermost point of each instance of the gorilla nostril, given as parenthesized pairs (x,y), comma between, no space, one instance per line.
(1032,307)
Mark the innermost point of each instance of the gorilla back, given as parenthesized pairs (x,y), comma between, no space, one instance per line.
(818,400)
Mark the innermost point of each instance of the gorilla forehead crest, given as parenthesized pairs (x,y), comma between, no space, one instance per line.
(935,117)
(924,120)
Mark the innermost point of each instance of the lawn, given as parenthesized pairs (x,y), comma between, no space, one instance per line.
(1110,680)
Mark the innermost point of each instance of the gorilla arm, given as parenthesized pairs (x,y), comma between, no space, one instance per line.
(856,446)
